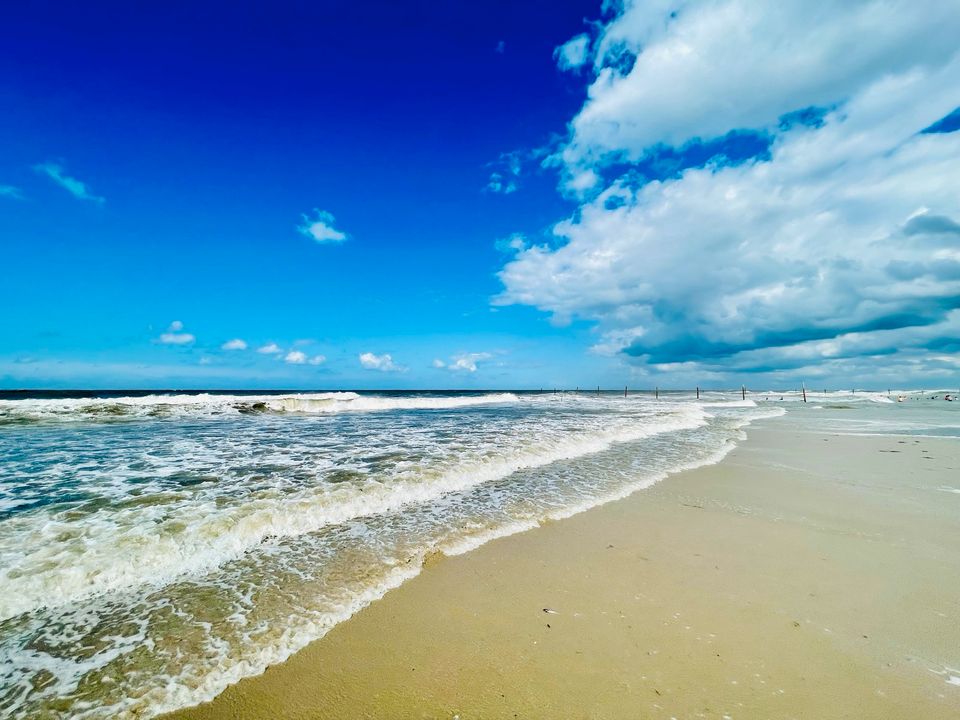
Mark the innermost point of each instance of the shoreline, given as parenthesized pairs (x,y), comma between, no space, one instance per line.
(670,602)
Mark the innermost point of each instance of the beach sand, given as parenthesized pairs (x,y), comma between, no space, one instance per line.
(805,576)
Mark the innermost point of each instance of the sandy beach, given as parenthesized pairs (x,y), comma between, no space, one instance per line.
(807,575)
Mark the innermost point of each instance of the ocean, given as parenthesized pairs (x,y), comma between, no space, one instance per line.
(155,548)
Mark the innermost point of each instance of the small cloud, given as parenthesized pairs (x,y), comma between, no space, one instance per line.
(574,53)
(321,228)
(384,362)
(269,349)
(513,243)
(583,181)
(499,184)
(317,360)
(73,186)
(295,357)
(464,362)
(235,344)
(10,191)
(505,179)
(174,336)
(501,46)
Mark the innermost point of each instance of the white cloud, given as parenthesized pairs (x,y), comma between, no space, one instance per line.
(513,243)
(317,360)
(835,248)
(467,362)
(582,181)
(75,187)
(235,344)
(384,362)
(574,53)
(321,228)
(174,336)
(295,357)
(506,178)
(500,184)
(11,192)
(705,67)
(438,363)
(269,349)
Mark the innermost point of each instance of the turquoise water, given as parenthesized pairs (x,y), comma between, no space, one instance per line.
(154,549)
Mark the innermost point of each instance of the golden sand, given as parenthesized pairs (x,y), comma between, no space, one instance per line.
(805,576)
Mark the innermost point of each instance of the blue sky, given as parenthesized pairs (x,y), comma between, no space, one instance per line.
(442,195)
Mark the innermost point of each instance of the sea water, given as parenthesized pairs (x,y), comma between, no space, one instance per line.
(155,548)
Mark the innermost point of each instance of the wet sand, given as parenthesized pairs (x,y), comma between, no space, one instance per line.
(805,576)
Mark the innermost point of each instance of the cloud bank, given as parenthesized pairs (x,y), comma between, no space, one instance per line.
(834,245)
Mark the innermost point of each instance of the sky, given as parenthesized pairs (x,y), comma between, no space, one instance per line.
(445,195)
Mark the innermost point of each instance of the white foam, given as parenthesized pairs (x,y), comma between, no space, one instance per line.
(67,565)
(213,684)
(79,409)
(731,404)
(50,561)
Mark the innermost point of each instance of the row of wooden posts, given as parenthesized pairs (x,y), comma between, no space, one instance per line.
(743,391)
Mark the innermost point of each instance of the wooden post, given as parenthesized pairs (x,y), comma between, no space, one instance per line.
(624,390)
(698,392)
(804,389)
(657,391)
(598,391)
(743,391)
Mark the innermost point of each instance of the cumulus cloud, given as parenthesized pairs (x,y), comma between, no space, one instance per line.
(671,70)
(175,335)
(320,228)
(10,191)
(235,344)
(297,357)
(837,244)
(75,187)
(463,362)
(270,349)
(574,53)
(384,362)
